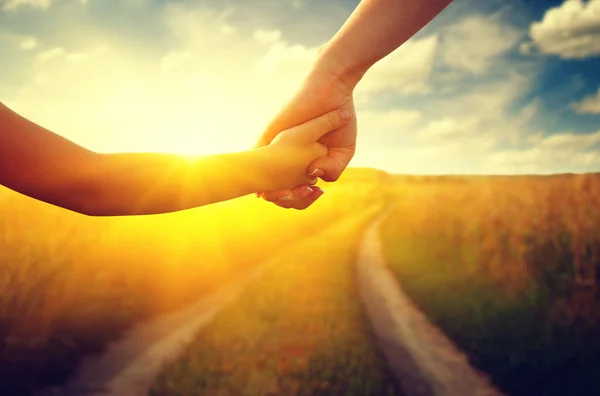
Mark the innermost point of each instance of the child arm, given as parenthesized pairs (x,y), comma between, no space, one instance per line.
(50,168)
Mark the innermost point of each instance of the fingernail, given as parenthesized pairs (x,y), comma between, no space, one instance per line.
(286,198)
(345,114)
(317,193)
(314,173)
(306,193)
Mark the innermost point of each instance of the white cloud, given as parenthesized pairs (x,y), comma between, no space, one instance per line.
(450,129)
(203,30)
(460,126)
(77,57)
(14,5)
(590,104)
(24,42)
(489,99)
(571,141)
(385,128)
(389,119)
(228,29)
(564,152)
(294,59)
(29,43)
(406,71)
(531,110)
(469,114)
(134,3)
(216,87)
(571,30)
(50,54)
(267,36)
(458,135)
(203,95)
(472,44)
(174,60)
(298,3)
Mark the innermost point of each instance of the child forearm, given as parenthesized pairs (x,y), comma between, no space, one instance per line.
(139,184)
(45,166)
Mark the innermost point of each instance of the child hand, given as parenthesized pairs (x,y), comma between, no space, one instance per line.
(294,149)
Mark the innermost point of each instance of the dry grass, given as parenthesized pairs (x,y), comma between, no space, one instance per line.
(299,330)
(71,283)
(507,266)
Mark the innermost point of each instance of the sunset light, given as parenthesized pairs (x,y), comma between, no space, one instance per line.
(475,91)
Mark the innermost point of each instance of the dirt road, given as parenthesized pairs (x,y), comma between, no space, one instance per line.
(423,359)
(130,364)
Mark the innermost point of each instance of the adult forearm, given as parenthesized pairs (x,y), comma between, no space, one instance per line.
(374,30)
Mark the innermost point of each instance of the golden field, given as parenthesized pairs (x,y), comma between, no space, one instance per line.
(70,283)
(508,268)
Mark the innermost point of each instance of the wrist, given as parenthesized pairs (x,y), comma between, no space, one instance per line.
(334,69)
(264,169)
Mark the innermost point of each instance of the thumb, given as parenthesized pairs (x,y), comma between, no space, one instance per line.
(316,128)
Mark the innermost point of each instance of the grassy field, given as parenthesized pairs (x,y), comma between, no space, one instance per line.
(300,330)
(71,283)
(507,267)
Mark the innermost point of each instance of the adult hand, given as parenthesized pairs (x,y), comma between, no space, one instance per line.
(320,93)
(375,29)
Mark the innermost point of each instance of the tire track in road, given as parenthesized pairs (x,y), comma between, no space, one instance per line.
(130,364)
(421,357)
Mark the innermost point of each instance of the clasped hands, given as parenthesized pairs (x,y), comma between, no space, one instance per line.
(320,94)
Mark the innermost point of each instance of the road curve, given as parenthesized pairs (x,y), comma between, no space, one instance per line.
(421,357)
(130,364)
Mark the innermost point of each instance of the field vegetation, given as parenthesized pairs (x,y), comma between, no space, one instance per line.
(71,283)
(508,268)
(299,330)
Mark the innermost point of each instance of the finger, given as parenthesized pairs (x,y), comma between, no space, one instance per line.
(285,196)
(327,168)
(304,203)
(285,205)
(317,193)
(278,196)
(315,129)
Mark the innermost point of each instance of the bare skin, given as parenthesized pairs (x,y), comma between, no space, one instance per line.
(374,30)
(43,165)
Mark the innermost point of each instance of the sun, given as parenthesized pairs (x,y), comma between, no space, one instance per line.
(207,134)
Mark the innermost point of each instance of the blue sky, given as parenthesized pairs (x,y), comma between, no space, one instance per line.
(488,87)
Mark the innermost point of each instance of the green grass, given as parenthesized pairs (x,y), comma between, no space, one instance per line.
(299,330)
(510,336)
